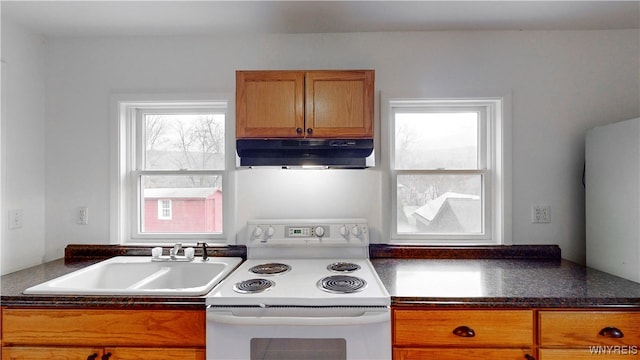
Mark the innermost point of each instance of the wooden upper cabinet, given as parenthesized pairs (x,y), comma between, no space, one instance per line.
(299,104)
(339,103)
(269,104)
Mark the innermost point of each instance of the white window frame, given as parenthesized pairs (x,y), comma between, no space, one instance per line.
(125,203)
(494,167)
(161,209)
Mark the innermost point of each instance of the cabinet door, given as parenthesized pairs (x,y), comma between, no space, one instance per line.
(339,104)
(269,104)
(589,328)
(629,353)
(50,353)
(155,353)
(460,354)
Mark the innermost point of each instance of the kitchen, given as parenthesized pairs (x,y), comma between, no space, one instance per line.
(562,80)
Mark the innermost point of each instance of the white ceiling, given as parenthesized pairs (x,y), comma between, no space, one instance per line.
(122,18)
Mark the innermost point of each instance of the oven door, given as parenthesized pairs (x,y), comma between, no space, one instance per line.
(287,333)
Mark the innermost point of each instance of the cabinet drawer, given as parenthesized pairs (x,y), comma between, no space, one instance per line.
(48,353)
(88,327)
(496,328)
(460,354)
(628,353)
(155,354)
(583,328)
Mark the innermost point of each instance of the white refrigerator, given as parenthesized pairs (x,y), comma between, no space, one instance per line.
(612,184)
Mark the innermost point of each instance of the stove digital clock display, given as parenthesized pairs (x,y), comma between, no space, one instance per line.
(298,231)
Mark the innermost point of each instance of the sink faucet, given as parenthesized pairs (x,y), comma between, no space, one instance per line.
(174,251)
(205,256)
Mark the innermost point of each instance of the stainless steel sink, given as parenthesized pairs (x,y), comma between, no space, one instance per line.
(135,275)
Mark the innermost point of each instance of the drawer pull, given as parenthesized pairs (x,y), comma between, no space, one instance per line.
(464,331)
(611,332)
(529,357)
(106,356)
(92,357)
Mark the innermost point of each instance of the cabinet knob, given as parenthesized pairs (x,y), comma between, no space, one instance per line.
(464,331)
(106,356)
(309,131)
(529,357)
(611,332)
(299,130)
(92,357)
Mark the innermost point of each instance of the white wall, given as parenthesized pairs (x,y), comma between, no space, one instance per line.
(23,146)
(562,83)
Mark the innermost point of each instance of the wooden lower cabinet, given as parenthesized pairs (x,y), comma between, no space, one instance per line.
(64,353)
(459,354)
(99,334)
(584,334)
(48,353)
(581,354)
(463,334)
(497,334)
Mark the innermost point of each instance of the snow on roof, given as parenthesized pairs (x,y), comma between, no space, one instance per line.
(432,207)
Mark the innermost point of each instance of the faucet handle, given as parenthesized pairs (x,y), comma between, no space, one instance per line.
(189,253)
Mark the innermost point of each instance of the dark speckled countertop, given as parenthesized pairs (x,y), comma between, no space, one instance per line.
(502,283)
(516,276)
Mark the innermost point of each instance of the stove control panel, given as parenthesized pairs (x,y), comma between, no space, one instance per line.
(348,232)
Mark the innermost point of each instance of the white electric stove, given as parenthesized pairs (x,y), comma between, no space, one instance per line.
(306,291)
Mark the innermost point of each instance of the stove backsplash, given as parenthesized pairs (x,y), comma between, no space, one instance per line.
(302,194)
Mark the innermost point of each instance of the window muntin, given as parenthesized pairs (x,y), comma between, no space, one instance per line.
(443,171)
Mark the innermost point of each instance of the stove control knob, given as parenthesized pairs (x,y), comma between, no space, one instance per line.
(344,232)
(270,232)
(319,231)
(356,231)
(257,232)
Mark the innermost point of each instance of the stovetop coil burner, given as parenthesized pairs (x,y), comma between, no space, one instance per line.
(343,267)
(253,286)
(270,269)
(341,284)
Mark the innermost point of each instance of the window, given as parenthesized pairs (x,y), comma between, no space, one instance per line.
(172,161)
(446,168)
(164,209)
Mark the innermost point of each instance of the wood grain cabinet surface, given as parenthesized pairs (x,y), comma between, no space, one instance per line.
(34,334)
(305,104)
(463,334)
(588,334)
(510,334)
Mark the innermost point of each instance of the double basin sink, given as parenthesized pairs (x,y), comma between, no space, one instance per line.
(138,275)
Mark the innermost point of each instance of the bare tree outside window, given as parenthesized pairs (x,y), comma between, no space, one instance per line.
(190,148)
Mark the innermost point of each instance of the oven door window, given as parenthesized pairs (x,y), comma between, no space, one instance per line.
(298,349)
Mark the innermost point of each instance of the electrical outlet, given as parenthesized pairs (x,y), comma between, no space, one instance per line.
(541,214)
(15,219)
(83,215)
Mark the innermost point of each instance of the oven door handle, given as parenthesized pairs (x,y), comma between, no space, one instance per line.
(367,317)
